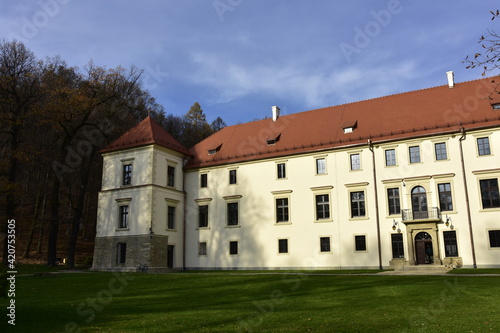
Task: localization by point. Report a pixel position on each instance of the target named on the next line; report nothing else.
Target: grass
(134, 302)
(475, 271)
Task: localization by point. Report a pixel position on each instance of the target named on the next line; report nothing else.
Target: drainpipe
(467, 204)
(370, 146)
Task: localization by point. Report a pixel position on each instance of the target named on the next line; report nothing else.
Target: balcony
(433, 213)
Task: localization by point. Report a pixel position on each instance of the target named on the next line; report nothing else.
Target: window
(282, 245)
(357, 204)
(397, 246)
(360, 242)
(489, 193)
(232, 213)
(390, 157)
(440, 149)
(394, 203)
(281, 170)
(203, 216)
(322, 206)
(204, 180)
(496, 106)
(232, 176)
(324, 244)
(121, 253)
(415, 154)
(127, 174)
(483, 146)
(355, 162)
(445, 200)
(170, 175)
(170, 217)
(494, 238)
(202, 248)
(233, 248)
(320, 166)
(282, 210)
(450, 243)
(123, 221)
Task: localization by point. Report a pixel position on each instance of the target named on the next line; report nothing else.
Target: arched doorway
(419, 203)
(423, 249)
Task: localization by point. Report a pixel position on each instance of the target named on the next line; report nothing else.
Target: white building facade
(403, 180)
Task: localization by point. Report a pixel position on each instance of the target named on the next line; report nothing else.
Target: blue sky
(237, 58)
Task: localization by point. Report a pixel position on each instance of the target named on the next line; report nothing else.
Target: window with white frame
(282, 210)
(440, 151)
(322, 206)
(414, 152)
(394, 201)
(360, 243)
(320, 166)
(445, 198)
(355, 161)
(390, 157)
(483, 146)
(202, 248)
(282, 245)
(324, 244)
(281, 170)
(357, 204)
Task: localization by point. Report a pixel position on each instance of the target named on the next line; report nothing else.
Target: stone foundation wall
(142, 249)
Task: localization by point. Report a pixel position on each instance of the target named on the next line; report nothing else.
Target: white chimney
(276, 113)
(451, 81)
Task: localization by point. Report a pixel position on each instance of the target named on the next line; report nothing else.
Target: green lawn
(106, 302)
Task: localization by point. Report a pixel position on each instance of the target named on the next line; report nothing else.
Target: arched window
(419, 203)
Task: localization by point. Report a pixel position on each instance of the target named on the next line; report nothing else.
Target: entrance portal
(423, 249)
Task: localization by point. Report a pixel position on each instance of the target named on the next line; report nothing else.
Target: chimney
(451, 81)
(276, 113)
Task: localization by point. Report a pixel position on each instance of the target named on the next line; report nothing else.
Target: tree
(489, 58)
(19, 93)
(196, 126)
(217, 124)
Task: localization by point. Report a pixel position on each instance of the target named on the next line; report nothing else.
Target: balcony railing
(433, 213)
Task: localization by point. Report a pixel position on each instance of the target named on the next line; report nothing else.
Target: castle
(402, 180)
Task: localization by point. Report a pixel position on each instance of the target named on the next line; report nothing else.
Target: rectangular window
(445, 200)
(123, 222)
(415, 154)
(450, 243)
(483, 146)
(127, 174)
(440, 149)
(232, 213)
(324, 244)
(282, 245)
(281, 170)
(320, 166)
(170, 217)
(355, 162)
(360, 242)
(121, 253)
(390, 157)
(397, 246)
(233, 248)
(282, 210)
(322, 206)
(494, 238)
(203, 216)
(204, 180)
(489, 193)
(394, 203)
(232, 176)
(358, 204)
(202, 248)
(170, 176)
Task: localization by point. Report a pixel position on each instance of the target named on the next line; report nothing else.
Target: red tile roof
(146, 132)
(418, 113)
